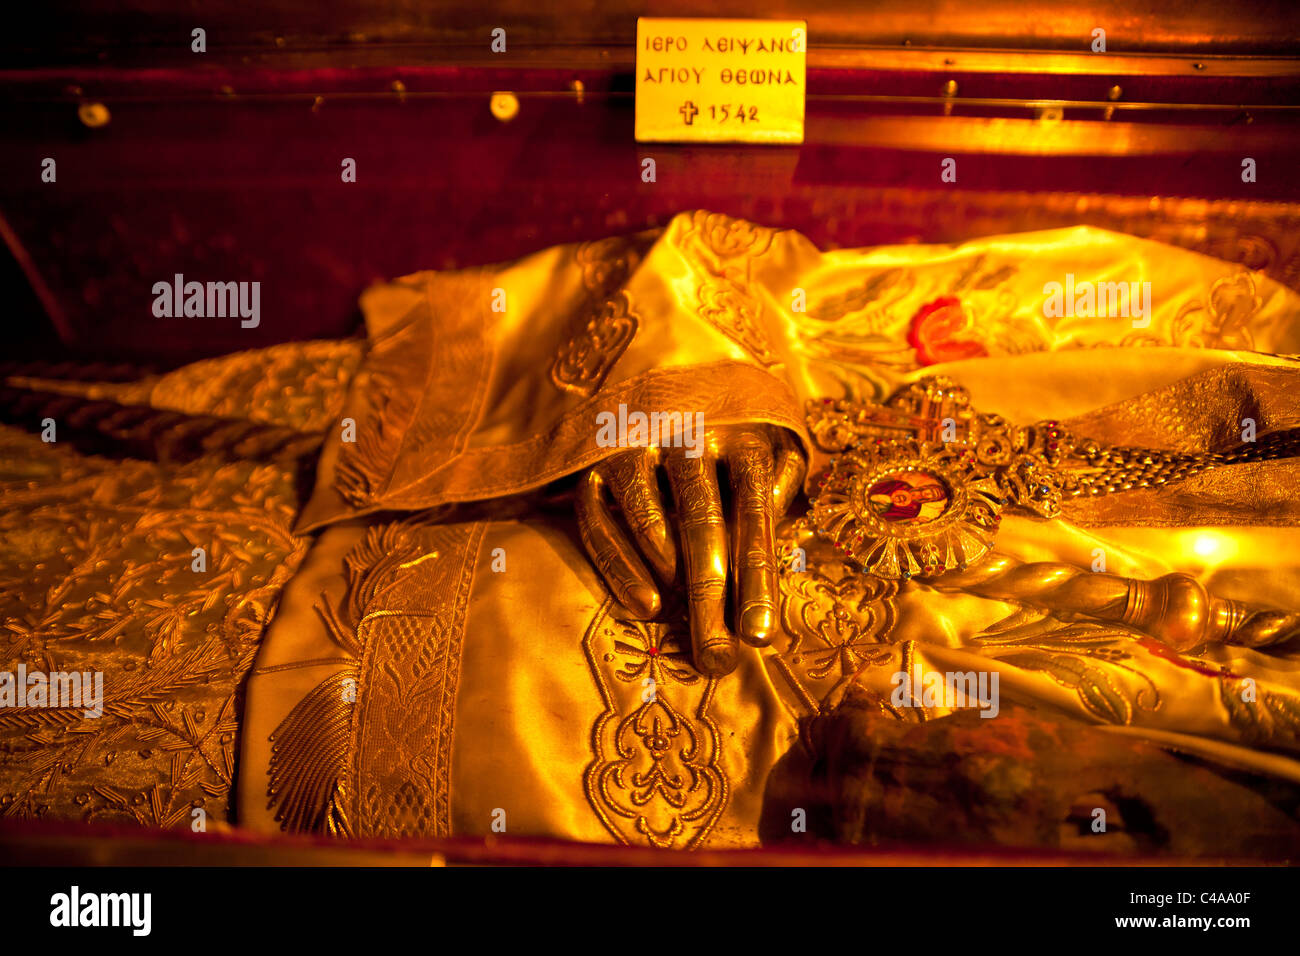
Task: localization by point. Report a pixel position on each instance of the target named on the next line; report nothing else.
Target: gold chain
(1123, 469)
(917, 486)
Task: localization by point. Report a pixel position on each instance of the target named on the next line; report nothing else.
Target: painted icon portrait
(914, 497)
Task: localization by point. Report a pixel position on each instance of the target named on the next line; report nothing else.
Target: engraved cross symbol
(688, 112)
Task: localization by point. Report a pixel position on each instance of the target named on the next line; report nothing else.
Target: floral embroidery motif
(835, 627)
(835, 620)
(1082, 657)
(723, 249)
(870, 322)
(1223, 322)
(99, 574)
(728, 238)
(1262, 717)
(726, 304)
(874, 297)
(606, 324)
(936, 333)
(655, 777)
(586, 358)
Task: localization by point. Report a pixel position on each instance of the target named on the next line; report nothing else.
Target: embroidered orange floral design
(936, 330)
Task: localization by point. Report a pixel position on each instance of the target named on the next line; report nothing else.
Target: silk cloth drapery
(427, 677)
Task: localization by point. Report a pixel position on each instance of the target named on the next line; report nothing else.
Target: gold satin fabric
(544, 730)
(486, 382)
(548, 685)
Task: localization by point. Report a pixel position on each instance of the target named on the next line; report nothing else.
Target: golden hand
(765, 469)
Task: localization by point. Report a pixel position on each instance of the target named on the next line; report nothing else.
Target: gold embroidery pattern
(606, 324)
(409, 677)
(1094, 687)
(418, 391)
(722, 250)
(607, 263)
(307, 784)
(1081, 657)
(1222, 322)
(873, 296)
(389, 383)
(97, 575)
(587, 357)
(1271, 719)
(835, 621)
(298, 385)
(656, 776)
(1202, 412)
(381, 766)
(309, 776)
(725, 392)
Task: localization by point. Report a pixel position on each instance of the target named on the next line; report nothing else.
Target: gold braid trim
(311, 749)
(420, 387)
(349, 769)
(309, 759)
(106, 427)
(365, 466)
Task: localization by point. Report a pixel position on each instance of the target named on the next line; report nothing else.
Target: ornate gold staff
(1175, 608)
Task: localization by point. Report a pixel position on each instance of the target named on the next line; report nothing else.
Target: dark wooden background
(225, 166)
